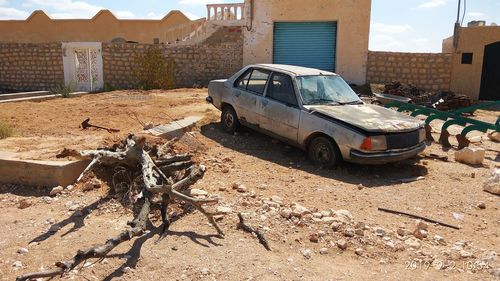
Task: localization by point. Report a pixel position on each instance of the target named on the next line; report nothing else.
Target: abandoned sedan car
(316, 111)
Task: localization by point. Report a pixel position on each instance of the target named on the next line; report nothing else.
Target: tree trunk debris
(160, 178)
(247, 228)
(418, 217)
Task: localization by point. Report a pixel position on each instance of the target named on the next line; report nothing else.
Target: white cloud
(3, 2)
(389, 28)
(433, 4)
(69, 9)
(191, 16)
(154, 16)
(12, 14)
(124, 15)
(200, 2)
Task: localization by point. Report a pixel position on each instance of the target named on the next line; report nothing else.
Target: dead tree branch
(247, 228)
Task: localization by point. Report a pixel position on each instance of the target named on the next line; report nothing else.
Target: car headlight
(421, 135)
(374, 143)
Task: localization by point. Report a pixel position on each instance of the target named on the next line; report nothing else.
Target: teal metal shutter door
(309, 44)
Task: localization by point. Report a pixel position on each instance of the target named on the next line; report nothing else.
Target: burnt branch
(248, 228)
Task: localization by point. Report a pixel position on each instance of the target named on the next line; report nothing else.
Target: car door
(248, 89)
(279, 109)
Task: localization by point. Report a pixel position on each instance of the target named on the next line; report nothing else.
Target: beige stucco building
(472, 72)
(352, 19)
(103, 27)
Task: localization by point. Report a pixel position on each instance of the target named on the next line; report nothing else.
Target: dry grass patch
(5, 130)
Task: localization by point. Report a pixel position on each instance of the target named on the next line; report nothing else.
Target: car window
(281, 89)
(242, 82)
(258, 81)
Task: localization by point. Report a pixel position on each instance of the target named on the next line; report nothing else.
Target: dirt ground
(450, 192)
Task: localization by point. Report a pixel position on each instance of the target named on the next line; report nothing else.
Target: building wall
(39, 66)
(218, 57)
(25, 67)
(103, 27)
(353, 22)
(466, 78)
(425, 70)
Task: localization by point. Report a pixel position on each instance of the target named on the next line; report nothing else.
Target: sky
(396, 25)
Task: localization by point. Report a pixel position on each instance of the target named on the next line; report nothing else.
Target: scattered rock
(359, 232)
(23, 204)
(222, 188)
(378, 231)
(344, 215)
(420, 234)
(349, 232)
(126, 269)
(56, 190)
(74, 207)
(359, 251)
(326, 213)
(91, 184)
(390, 245)
(205, 271)
(492, 185)
(495, 272)
(495, 136)
(317, 215)
(306, 253)
(465, 254)
(422, 225)
(342, 244)
(403, 232)
(241, 188)
(439, 239)
(277, 199)
(299, 211)
(22, 251)
(314, 237)
(472, 156)
(70, 187)
(323, 251)
(336, 226)
(328, 220)
(413, 243)
(481, 206)
(286, 213)
(224, 210)
(17, 265)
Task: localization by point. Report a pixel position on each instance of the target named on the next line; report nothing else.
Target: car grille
(402, 140)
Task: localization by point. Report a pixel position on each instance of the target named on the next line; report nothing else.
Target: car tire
(323, 151)
(229, 120)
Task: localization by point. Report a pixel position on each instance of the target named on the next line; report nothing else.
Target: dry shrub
(5, 130)
(154, 71)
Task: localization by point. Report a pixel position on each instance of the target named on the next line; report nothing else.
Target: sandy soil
(267, 168)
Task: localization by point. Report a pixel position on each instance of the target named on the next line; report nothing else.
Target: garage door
(309, 44)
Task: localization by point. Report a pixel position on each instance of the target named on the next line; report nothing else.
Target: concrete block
(176, 128)
(472, 156)
(492, 185)
(39, 173)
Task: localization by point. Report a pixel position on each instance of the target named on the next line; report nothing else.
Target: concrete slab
(9, 96)
(38, 98)
(39, 173)
(175, 128)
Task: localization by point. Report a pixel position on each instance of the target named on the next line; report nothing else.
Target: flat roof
(297, 70)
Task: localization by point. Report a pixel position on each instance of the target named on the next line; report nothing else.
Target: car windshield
(326, 89)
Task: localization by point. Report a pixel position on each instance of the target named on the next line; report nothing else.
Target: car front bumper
(385, 156)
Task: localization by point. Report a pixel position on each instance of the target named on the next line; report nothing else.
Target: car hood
(371, 118)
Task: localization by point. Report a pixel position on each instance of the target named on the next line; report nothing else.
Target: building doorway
(490, 79)
(83, 67)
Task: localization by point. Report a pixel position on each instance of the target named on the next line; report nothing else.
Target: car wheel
(323, 151)
(229, 120)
